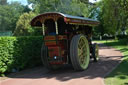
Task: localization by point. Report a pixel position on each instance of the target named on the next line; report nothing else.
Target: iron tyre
(79, 52)
(95, 52)
(44, 56)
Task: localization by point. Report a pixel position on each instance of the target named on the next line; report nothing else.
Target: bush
(17, 53)
(122, 36)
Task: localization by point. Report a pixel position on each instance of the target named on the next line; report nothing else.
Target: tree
(4, 17)
(64, 6)
(26, 9)
(112, 14)
(9, 15)
(23, 27)
(96, 12)
(3, 2)
(123, 11)
(115, 16)
(109, 17)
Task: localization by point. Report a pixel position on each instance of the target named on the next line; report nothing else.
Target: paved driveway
(94, 75)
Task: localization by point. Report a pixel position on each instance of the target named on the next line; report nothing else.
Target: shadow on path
(108, 60)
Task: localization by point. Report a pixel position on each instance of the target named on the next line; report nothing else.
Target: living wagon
(67, 40)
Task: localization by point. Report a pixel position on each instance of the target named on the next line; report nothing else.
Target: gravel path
(94, 75)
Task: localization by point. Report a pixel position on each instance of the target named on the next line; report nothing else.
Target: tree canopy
(9, 14)
(64, 6)
(23, 24)
(112, 14)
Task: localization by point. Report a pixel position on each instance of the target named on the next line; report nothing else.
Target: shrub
(23, 27)
(122, 36)
(17, 53)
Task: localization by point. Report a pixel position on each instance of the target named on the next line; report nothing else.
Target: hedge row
(17, 53)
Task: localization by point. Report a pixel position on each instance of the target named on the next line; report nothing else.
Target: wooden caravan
(67, 40)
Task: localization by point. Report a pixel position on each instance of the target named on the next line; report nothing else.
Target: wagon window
(61, 26)
(50, 27)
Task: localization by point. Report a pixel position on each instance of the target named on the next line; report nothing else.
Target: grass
(119, 76)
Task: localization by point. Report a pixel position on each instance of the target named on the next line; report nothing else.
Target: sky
(93, 1)
(24, 2)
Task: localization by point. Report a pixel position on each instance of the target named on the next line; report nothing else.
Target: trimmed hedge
(17, 53)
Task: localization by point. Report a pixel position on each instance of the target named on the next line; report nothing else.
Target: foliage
(100, 11)
(64, 6)
(3, 2)
(9, 15)
(96, 13)
(17, 53)
(113, 17)
(110, 20)
(23, 25)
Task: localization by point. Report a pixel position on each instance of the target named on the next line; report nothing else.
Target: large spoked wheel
(44, 56)
(95, 52)
(79, 52)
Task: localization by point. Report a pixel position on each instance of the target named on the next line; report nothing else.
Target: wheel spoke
(82, 51)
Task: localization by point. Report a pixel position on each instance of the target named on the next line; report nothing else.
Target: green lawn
(119, 76)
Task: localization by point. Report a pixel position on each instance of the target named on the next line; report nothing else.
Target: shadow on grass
(125, 83)
(122, 42)
(124, 49)
(120, 74)
(121, 71)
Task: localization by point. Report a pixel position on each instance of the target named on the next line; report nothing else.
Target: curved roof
(69, 19)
